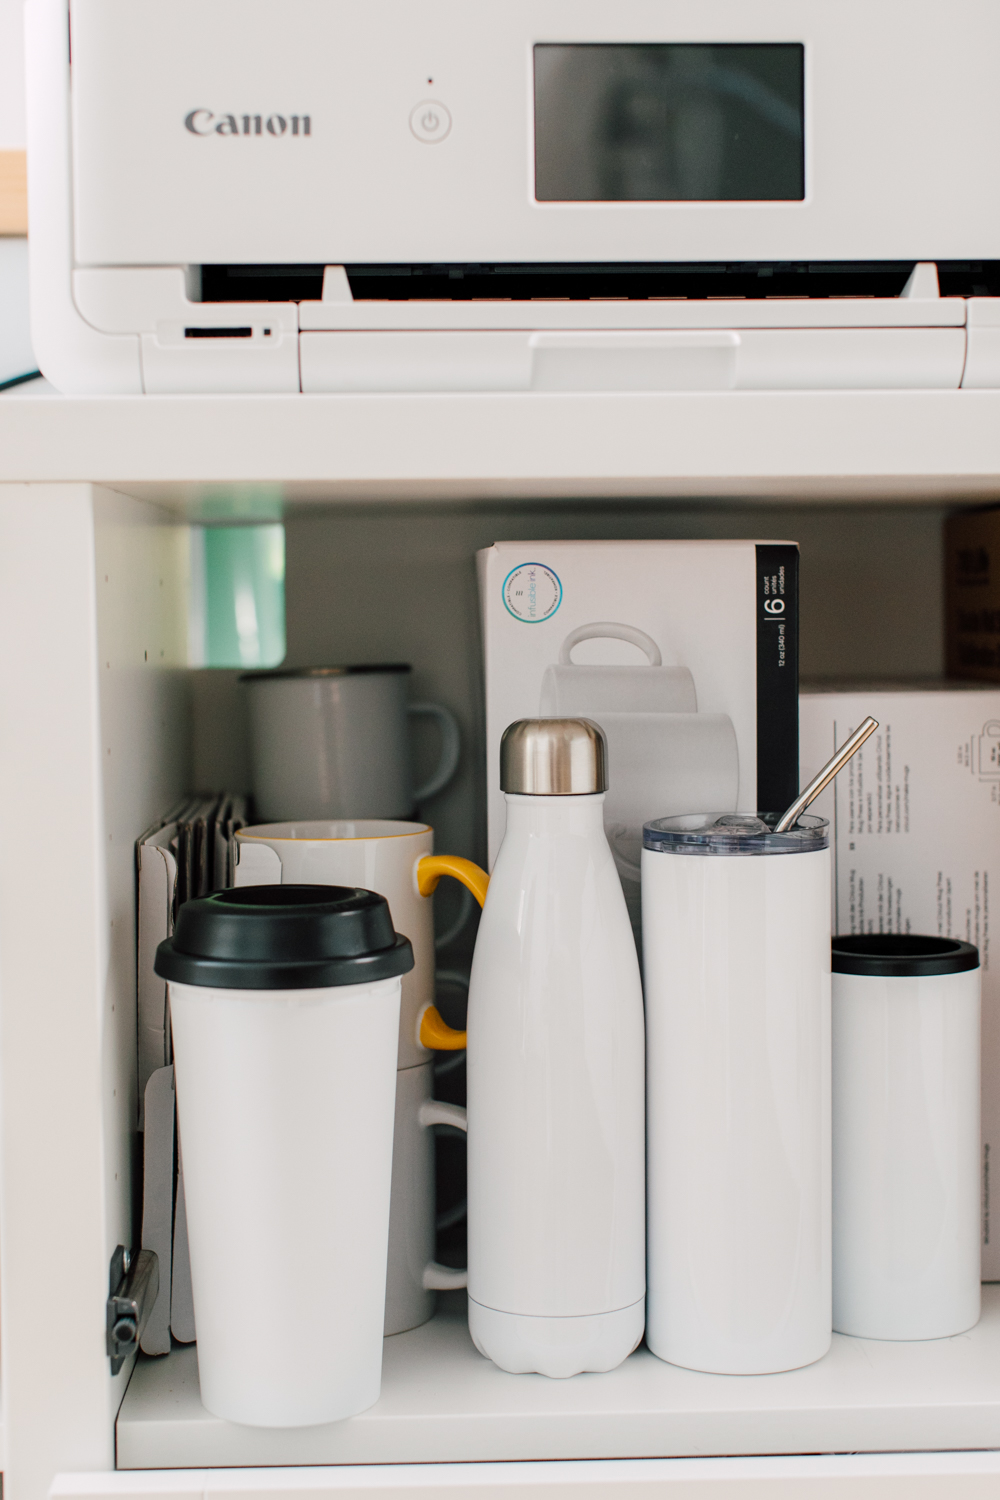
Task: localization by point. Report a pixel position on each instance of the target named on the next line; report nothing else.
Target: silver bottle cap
(554, 758)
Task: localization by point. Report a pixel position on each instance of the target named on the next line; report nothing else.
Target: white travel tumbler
(736, 946)
(906, 1136)
(285, 1009)
(555, 1074)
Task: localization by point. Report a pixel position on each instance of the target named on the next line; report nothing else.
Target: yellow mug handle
(435, 1033)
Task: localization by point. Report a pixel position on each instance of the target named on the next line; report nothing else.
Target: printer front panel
(322, 131)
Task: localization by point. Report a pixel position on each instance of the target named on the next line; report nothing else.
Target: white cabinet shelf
(443, 1402)
(178, 450)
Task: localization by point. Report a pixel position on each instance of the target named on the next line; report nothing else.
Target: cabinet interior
(398, 583)
(99, 590)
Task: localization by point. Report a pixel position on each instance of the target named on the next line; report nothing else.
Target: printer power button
(430, 122)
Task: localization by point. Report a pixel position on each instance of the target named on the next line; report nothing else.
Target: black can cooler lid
(284, 937)
(902, 955)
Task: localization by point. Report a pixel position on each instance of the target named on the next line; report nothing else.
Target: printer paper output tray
(917, 340)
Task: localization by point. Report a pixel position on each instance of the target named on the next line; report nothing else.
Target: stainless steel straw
(829, 771)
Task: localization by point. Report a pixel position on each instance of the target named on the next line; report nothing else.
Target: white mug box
(685, 653)
(915, 839)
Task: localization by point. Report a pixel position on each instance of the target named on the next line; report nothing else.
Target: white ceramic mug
(334, 742)
(395, 859)
(660, 765)
(663, 756)
(663, 764)
(412, 1273)
(570, 688)
(376, 854)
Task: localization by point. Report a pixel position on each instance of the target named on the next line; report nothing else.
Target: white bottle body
(556, 1100)
(737, 965)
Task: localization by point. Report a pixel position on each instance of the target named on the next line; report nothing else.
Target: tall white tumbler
(736, 947)
(285, 1009)
(906, 1136)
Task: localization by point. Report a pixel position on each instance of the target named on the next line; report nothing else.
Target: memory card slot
(221, 333)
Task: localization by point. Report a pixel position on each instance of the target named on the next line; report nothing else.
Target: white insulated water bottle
(555, 1074)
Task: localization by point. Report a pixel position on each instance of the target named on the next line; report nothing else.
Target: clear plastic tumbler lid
(734, 833)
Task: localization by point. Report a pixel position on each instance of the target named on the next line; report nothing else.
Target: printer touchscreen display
(663, 122)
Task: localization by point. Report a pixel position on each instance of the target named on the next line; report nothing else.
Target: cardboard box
(972, 595)
(915, 840)
(686, 654)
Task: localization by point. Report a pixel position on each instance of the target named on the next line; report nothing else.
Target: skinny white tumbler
(906, 1136)
(736, 945)
(285, 1009)
(555, 1074)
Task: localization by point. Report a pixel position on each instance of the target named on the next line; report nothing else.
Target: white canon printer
(330, 195)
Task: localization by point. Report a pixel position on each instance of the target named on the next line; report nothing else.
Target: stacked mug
(397, 860)
(330, 750)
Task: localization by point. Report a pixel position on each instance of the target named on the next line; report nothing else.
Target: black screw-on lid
(902, 955)
(284, 937)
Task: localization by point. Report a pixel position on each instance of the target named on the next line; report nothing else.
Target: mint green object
(238, 596)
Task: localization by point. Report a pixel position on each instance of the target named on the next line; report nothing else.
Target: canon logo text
(204, 122)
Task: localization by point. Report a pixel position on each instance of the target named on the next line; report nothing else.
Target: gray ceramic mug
(334, 742)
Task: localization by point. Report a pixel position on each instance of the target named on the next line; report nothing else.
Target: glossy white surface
(556, 1347)
(442, 1402)
(376, 854)
(555, 1084)
(736, 954)
(906, 1155)
(285, 1106)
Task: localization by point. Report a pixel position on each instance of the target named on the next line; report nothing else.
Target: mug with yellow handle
(397, 860)
(378, 854)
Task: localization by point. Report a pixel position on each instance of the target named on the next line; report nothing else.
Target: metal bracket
(134, 1285)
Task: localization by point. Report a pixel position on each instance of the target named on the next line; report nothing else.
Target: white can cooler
(906, 1136)
(285, 1011)
(736, 947)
